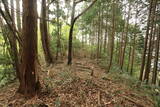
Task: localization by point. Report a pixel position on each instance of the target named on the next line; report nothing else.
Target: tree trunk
(112, 38)
(71, 35)
(154, 76)
(99, 28)
(29, 83)
(126, 38)
(105, 36)
(150, 49)
(45, 36)
(146, 42)
(58, 32)
(129, 57)
(18, 14)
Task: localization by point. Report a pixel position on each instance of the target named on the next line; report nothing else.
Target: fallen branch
(133, 101)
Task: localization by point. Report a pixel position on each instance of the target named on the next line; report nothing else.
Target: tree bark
(29, 83)
(18, 15)
(58, 32)
(73, 20)
(154, 76)
(126, 38)
(146, 42)
(45, 36)
(150, 49)
(112, 38)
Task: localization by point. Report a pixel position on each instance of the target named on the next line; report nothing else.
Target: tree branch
(85, 10)
(10, 27)
(79, 1)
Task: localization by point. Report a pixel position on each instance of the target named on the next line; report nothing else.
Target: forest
(79, 53)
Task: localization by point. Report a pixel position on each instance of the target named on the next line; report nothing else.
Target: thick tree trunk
(45, 36)
(29, 83)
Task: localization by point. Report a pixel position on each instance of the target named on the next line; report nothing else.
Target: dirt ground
(84, 84)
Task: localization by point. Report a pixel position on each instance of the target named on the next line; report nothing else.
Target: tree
(154, 75)
(146, 41)
(150, 45)
(125, 38)
(12, 38)
(73, 20)
(112, 36)
(44, 35)
(29, 82)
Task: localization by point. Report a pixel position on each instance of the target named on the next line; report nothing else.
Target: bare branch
(79, 1)
(10, 26)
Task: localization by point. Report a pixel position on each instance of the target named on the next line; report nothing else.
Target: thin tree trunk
(134, 44)
(112, 38)
(129, 58)
(18, 14)
(146, 42)
(150, 49)
(154, 76)
(99, 28)
(71, 34)
(73, 20)
(126, 38)
(58, 32)
(45, 36)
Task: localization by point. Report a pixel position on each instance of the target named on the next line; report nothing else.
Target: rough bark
(29, 83)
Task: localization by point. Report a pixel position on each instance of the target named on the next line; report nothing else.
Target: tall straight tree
(111, 48)
(146, 42)
(58, 30)
(154, 75)
(29, 83)
(44, 35)
(125, 38)
(150, 45)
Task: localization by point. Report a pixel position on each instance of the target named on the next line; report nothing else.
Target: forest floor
(84, 84)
